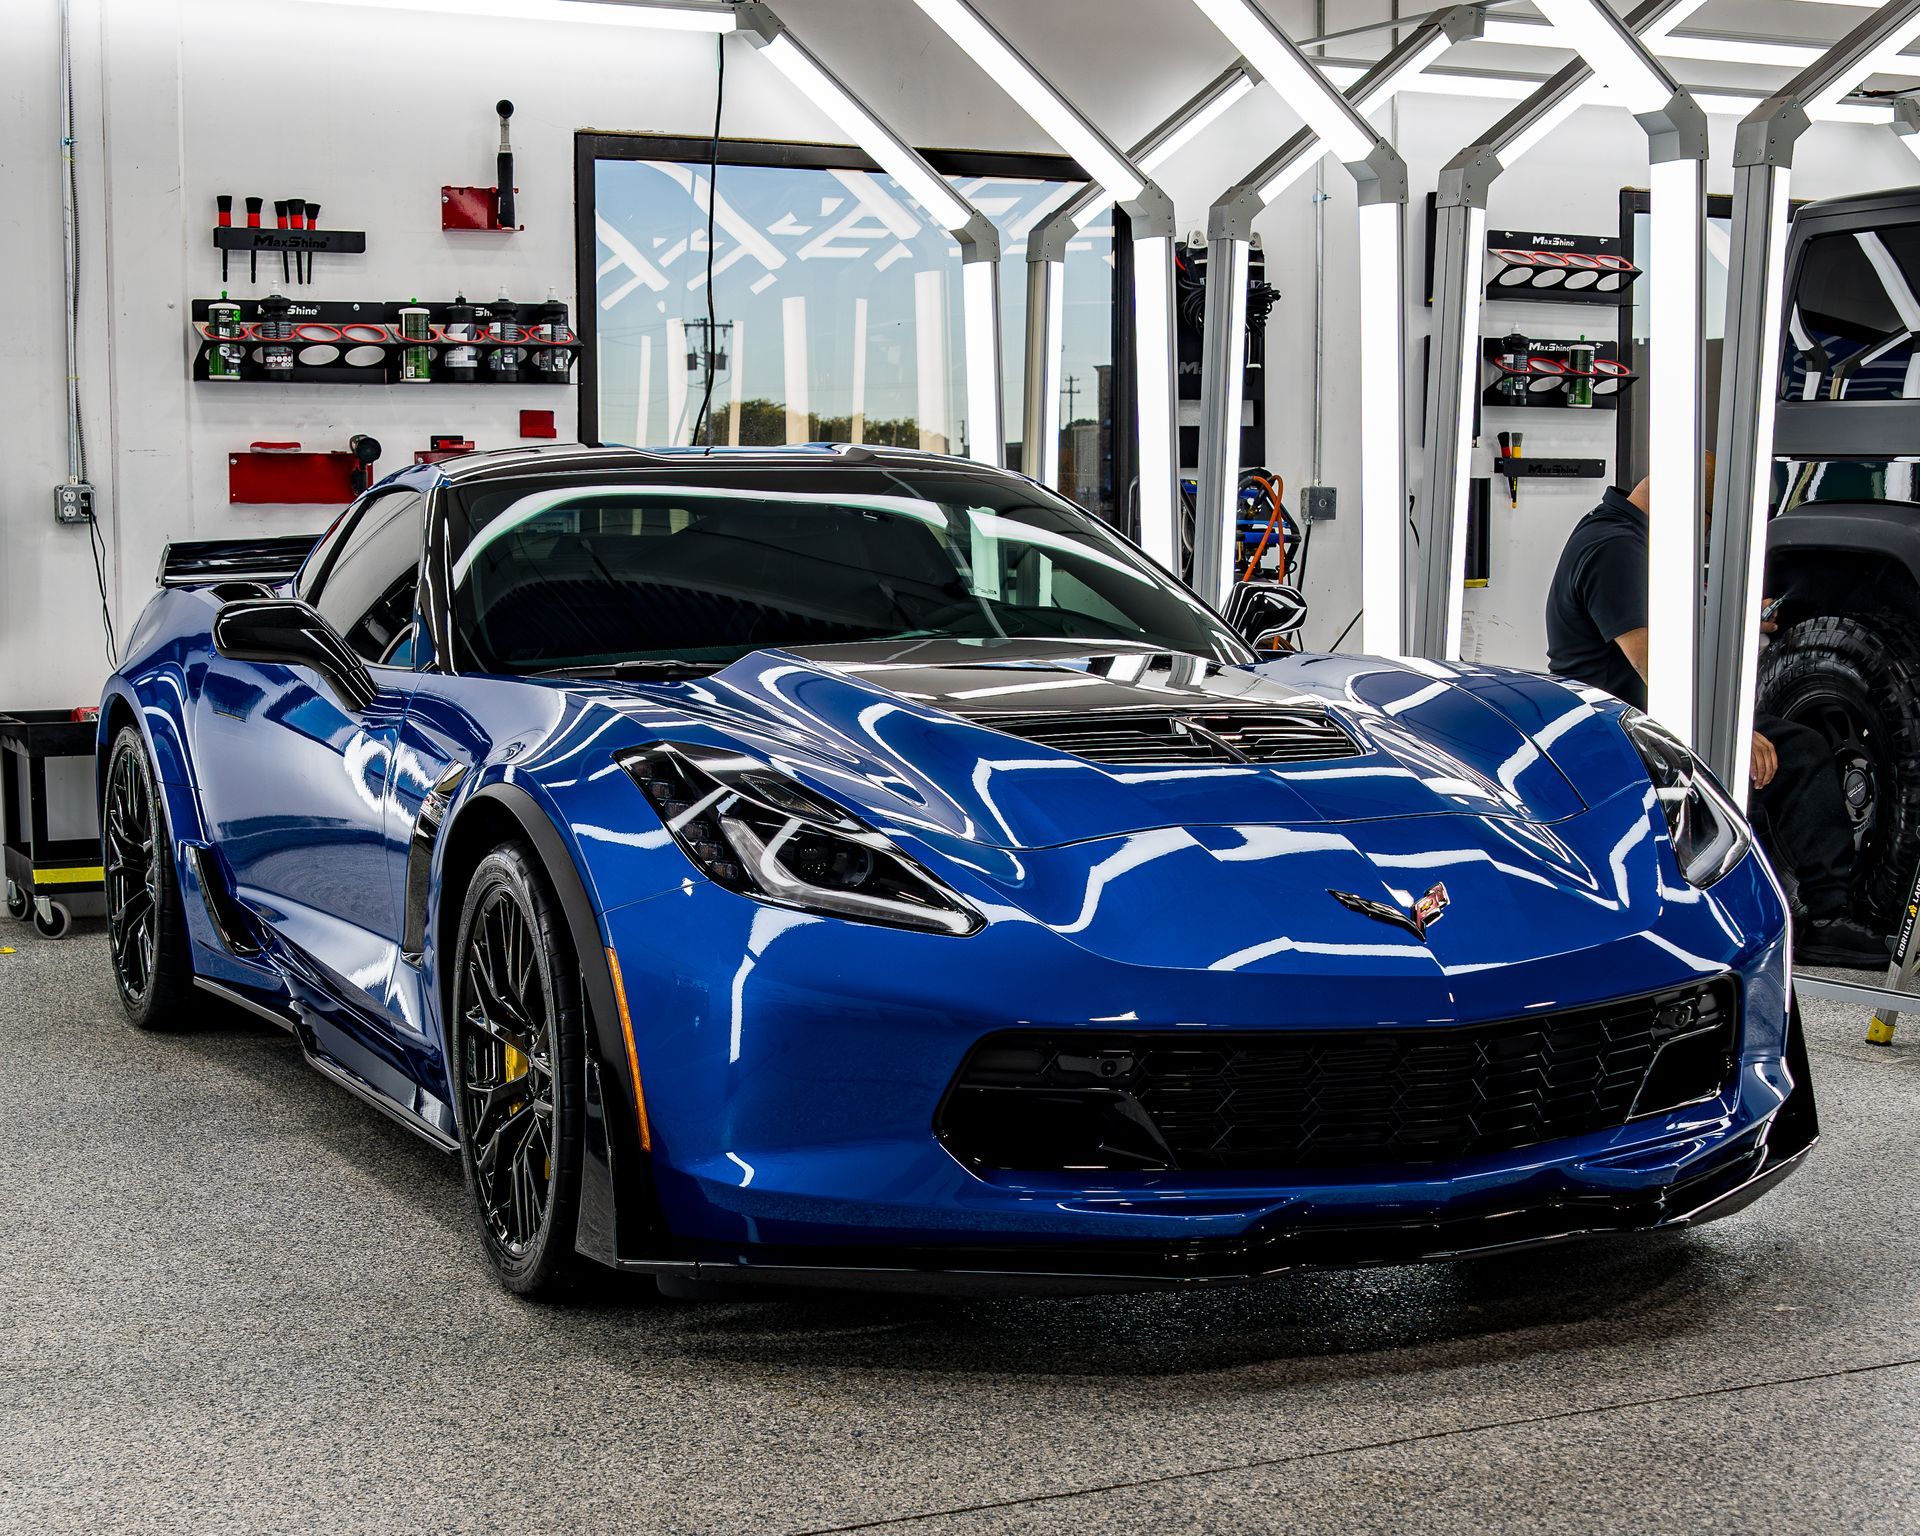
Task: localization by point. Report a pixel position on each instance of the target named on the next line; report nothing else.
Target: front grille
(1040, 1100)
(1271, 735)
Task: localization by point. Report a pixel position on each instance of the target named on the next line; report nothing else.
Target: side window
(1854, 329)
(368, 595)
(323, 551)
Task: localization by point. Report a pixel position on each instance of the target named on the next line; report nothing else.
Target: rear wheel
(1857, 682)
(146, 929)
(517, 1046)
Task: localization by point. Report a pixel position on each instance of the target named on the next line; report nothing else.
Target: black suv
(1843, 550)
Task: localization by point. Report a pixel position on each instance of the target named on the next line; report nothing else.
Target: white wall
(368, 111)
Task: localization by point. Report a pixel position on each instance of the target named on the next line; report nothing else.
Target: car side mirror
(1264, 611)
(288, 633)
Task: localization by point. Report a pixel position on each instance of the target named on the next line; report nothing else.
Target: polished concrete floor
(236, 1300)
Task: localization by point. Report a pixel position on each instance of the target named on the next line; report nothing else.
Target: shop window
(837, 313)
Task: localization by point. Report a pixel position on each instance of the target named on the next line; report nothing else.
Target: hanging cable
(713, 196)
(76, 429)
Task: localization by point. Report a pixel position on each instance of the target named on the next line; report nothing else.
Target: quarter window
(368, 594)
(1854, 330)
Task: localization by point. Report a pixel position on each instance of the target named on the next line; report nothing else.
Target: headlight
(1708, 832)
(757, 832)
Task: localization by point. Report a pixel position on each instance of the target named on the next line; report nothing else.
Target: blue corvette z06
(856, 866)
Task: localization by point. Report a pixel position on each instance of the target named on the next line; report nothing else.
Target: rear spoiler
(205, 562)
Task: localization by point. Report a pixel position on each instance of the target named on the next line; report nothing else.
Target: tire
(18, 903)
(517, 1054)
(54, 922)
(147, 946)
(1857, 682)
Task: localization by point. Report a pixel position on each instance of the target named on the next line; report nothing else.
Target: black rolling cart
(42, 870)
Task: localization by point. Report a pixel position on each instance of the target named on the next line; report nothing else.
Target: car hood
(940, 737)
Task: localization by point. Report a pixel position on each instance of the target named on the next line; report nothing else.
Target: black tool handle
(503, 166)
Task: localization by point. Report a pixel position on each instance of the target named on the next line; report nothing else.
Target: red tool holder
(281, 474)
(474, 208)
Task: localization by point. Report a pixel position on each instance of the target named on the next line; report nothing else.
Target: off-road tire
(1856, 680)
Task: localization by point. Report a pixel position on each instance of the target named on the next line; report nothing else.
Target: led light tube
(1673, 443)
(899, 161)
(980, 326)
(1383, 495)
(1154, 397)
(1288, 71)
(1599, 38)
(1035, 96)
(1402, 78)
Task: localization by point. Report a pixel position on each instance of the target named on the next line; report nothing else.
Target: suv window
(368, 595)
(1854, 330)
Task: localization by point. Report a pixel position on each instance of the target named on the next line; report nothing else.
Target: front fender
(618, 1215)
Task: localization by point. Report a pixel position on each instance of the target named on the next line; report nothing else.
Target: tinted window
(315, 565)
(552, 574)
(368, 595)
(1854, 329)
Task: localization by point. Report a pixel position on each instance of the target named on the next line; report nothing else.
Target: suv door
(295, 780)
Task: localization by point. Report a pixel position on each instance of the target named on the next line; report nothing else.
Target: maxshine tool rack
(347, 342)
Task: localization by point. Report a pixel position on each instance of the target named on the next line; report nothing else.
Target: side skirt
(287, 1017)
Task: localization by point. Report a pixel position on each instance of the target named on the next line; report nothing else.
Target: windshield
(582, 573)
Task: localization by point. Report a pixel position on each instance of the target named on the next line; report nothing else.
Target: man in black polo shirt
(1597, 634)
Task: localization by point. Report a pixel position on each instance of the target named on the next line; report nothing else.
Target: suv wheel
(1857, 682)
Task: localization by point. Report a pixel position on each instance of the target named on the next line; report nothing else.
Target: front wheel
(518, 1046)
(1857, 682)
(146, 928)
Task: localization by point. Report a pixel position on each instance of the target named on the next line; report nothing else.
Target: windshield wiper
(666, 668)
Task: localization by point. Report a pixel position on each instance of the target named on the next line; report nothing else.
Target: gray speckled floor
(237, 1300)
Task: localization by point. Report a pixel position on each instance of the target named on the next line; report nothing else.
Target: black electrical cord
(1345, 632)
(96, 545)
(713, 197)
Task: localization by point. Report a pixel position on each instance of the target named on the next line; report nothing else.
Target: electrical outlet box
(1320, 502)
(73, 503)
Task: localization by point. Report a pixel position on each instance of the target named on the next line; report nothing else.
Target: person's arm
(1633, 644)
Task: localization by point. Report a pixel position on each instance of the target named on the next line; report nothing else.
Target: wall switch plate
(73, 503)
(1320, 503)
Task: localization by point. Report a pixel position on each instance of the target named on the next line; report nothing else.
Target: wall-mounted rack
(1536, 266)
(1534, 373)
(349, 342)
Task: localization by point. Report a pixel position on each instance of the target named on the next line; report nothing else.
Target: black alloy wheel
(1856, 681)
(517, 1054)
(146, 931)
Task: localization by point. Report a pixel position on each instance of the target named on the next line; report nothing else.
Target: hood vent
(1219, 736)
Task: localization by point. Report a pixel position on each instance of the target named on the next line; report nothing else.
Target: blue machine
(860, 866)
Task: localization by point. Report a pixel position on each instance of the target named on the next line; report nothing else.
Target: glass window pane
(1851, 330)
(837, 308)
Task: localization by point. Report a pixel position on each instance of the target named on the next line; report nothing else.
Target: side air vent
(1204, 736)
